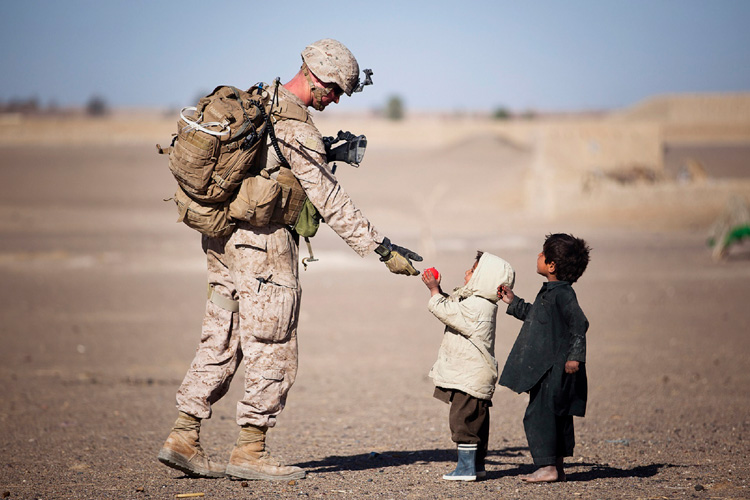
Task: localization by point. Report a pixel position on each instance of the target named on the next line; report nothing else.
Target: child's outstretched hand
(505, 294)
(430, 282)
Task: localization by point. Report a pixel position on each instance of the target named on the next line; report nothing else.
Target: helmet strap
(318, 93)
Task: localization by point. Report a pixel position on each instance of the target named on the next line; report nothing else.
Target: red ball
(434, 272)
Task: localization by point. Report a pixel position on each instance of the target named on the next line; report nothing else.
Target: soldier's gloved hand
(398, 259)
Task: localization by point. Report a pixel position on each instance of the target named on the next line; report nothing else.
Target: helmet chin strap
(317, 93)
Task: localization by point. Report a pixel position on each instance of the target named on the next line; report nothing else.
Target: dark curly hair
(570, 255)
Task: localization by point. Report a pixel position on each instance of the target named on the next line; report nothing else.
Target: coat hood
(491, 272)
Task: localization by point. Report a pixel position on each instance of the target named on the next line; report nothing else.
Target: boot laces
(265, 456)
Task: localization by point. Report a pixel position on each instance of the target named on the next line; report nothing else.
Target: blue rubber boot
(466, 469)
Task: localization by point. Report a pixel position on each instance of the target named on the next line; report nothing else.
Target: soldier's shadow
(373, 460)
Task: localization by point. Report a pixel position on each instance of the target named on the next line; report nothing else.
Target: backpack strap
(246, 123)
(168, 149)
(182, 211)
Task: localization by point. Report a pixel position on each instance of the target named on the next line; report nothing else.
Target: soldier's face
(333, 96)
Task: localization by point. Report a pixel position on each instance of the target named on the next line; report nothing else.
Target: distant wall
(695, 118)
(568, 154)
(615, 165)
(719, 108)
(584, 147)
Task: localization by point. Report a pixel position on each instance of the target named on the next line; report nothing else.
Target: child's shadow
(387, 459)
(596, 471)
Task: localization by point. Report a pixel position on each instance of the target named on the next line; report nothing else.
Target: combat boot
(182, 450)
(466, 468)
(250, 460)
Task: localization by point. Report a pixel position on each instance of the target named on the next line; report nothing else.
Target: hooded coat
(466, 358)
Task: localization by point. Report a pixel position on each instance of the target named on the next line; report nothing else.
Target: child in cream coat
(465, 372)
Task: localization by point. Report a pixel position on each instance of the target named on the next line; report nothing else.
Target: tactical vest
(214, 158)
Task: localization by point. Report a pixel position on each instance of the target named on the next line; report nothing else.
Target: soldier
(254, 290)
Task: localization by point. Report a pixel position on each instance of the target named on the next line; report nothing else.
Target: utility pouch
(292, 198)
(255, 201)
(308, 221)
(211, 219)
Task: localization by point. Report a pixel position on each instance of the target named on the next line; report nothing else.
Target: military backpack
(214, 158)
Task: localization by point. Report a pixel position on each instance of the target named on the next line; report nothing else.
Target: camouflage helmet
(331, 62)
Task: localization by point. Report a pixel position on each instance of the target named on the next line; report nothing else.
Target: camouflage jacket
(301, 143)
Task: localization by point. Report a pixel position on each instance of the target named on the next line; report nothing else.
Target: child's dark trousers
(549, 435)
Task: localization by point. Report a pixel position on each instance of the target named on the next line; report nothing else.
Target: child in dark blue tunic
(548, 357)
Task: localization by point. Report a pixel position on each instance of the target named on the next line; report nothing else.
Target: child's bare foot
(549, 474)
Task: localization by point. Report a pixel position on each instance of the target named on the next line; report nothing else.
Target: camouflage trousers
(257, 267)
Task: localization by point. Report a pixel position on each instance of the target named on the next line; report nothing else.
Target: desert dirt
(103, 296)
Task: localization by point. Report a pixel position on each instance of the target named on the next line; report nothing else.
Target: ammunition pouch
(292, 198)
(256, 200)
(294, 208)
(261, 200)
(211, 219)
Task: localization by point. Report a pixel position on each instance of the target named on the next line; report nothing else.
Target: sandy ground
(103, 296)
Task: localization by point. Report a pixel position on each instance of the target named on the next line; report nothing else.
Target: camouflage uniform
(259, 268)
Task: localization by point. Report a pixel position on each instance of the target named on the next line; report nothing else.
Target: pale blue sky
(450, 55)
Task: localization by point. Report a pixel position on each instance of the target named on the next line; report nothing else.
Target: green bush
(501, 114)
(394, 109)
(96, 106)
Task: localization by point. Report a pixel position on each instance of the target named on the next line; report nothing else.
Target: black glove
(398, 259)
